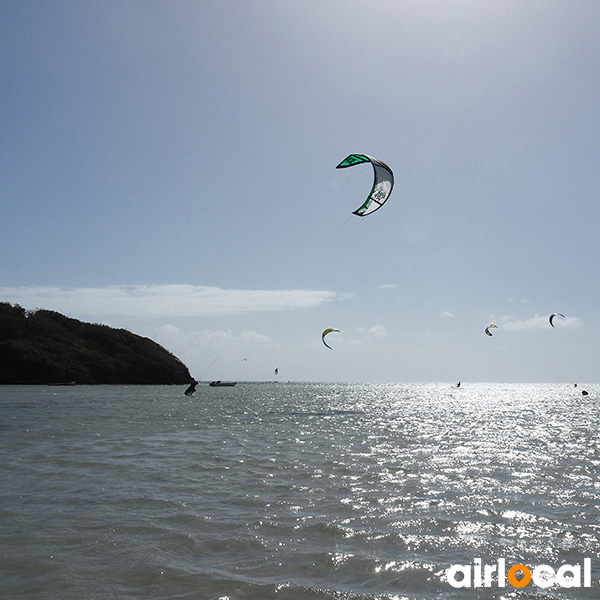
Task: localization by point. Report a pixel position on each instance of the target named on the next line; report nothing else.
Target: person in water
(192, 388)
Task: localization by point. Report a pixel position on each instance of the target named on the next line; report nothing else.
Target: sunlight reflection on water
(310, 490)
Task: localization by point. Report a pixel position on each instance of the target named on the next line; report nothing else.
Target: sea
(300, 491)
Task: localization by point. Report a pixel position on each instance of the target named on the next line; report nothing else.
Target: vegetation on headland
(43, 346)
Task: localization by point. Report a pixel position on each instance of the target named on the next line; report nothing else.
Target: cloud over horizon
(538, 322)
(160, 301)
(447, 315)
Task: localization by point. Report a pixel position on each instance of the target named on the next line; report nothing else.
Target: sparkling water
(294, 491)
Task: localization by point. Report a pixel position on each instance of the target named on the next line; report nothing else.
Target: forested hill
(44, 347)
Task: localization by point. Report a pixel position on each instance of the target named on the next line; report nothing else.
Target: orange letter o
(514, 581)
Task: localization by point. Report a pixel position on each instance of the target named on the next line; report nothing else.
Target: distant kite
(487, 329)
(383, 182)
(551, 318)
(326, 332)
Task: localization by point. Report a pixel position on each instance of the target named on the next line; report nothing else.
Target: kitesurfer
(192, 388)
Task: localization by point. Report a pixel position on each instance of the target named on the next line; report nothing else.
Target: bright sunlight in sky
(169, 168)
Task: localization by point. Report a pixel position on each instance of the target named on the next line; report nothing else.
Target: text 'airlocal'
(480, 575)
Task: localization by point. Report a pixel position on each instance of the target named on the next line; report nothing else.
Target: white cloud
(388, 286)
(201, 349)
(170, 335)
(161, 301)
(538, 322)
(447, 315)
(378, 331)
(255, 338)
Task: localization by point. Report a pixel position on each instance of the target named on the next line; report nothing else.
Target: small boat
(63, 383)
(222, 383)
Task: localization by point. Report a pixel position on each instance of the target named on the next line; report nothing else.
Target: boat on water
(222, 383)
(62, 383)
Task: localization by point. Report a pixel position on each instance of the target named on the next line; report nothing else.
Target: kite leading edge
(383, 182)
(326, 332)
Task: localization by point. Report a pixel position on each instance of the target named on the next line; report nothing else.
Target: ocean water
(295, 491)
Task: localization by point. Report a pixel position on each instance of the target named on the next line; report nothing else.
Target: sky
(169, 168)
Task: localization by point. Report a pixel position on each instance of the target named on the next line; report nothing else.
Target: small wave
(325, 413)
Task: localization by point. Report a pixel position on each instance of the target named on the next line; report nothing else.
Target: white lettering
(466, 576)
(587, 572)
(501, 572)
(477, 580)
(543, 576)
(568, 582)
(487, 577)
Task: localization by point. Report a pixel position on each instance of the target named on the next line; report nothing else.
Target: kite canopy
(326, 332)
(382, 184)
(554, 315)
(487, 329)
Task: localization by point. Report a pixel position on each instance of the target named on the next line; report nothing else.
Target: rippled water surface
(294, 491)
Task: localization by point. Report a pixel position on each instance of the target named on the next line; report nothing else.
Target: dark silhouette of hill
(44, 346)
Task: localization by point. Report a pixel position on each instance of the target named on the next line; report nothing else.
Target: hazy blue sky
(169, 167)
